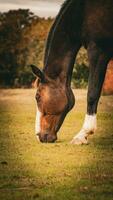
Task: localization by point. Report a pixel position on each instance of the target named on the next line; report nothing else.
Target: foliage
(81, 70)
(22, 39)
(11, 25)
(80, 76)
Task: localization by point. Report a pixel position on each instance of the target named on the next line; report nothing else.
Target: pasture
(30, 170)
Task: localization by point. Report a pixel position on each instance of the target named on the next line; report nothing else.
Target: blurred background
(24, 26)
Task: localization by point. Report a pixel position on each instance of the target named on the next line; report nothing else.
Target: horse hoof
(79, 141)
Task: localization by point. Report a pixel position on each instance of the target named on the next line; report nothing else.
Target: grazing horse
(87, 23)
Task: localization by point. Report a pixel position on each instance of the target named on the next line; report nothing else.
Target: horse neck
(64, 42)
(60, 65)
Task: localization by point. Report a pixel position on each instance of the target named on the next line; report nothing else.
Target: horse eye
(37, 97)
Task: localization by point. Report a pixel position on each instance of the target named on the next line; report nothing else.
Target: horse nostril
(40, 137)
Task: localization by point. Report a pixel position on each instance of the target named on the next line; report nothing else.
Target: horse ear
(38, 73)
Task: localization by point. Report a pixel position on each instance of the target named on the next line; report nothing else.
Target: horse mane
(62, 11)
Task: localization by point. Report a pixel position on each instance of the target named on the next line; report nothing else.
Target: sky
(42, 8)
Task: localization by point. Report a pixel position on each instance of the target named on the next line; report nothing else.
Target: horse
(87, 23)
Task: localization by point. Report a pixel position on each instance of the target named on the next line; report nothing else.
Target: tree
(22, 39)
(12, 25)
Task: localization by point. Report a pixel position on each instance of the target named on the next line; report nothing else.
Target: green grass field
(30, 170)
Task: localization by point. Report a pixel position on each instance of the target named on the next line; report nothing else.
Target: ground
(30, 170)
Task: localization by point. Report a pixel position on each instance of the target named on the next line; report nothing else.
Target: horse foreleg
(98, 60)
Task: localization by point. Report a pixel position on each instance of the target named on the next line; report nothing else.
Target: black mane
(52, 30)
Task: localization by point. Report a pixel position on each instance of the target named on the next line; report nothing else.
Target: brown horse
(87, 23)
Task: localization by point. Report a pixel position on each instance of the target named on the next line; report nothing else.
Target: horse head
(54, 100)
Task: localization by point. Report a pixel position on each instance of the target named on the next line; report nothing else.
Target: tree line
(22, 41)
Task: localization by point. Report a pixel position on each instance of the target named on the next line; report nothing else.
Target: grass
(33, 171)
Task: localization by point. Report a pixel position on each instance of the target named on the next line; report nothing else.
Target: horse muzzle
(47, 138)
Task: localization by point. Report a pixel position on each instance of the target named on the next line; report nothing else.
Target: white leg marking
(89, 127)
(37, 122)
